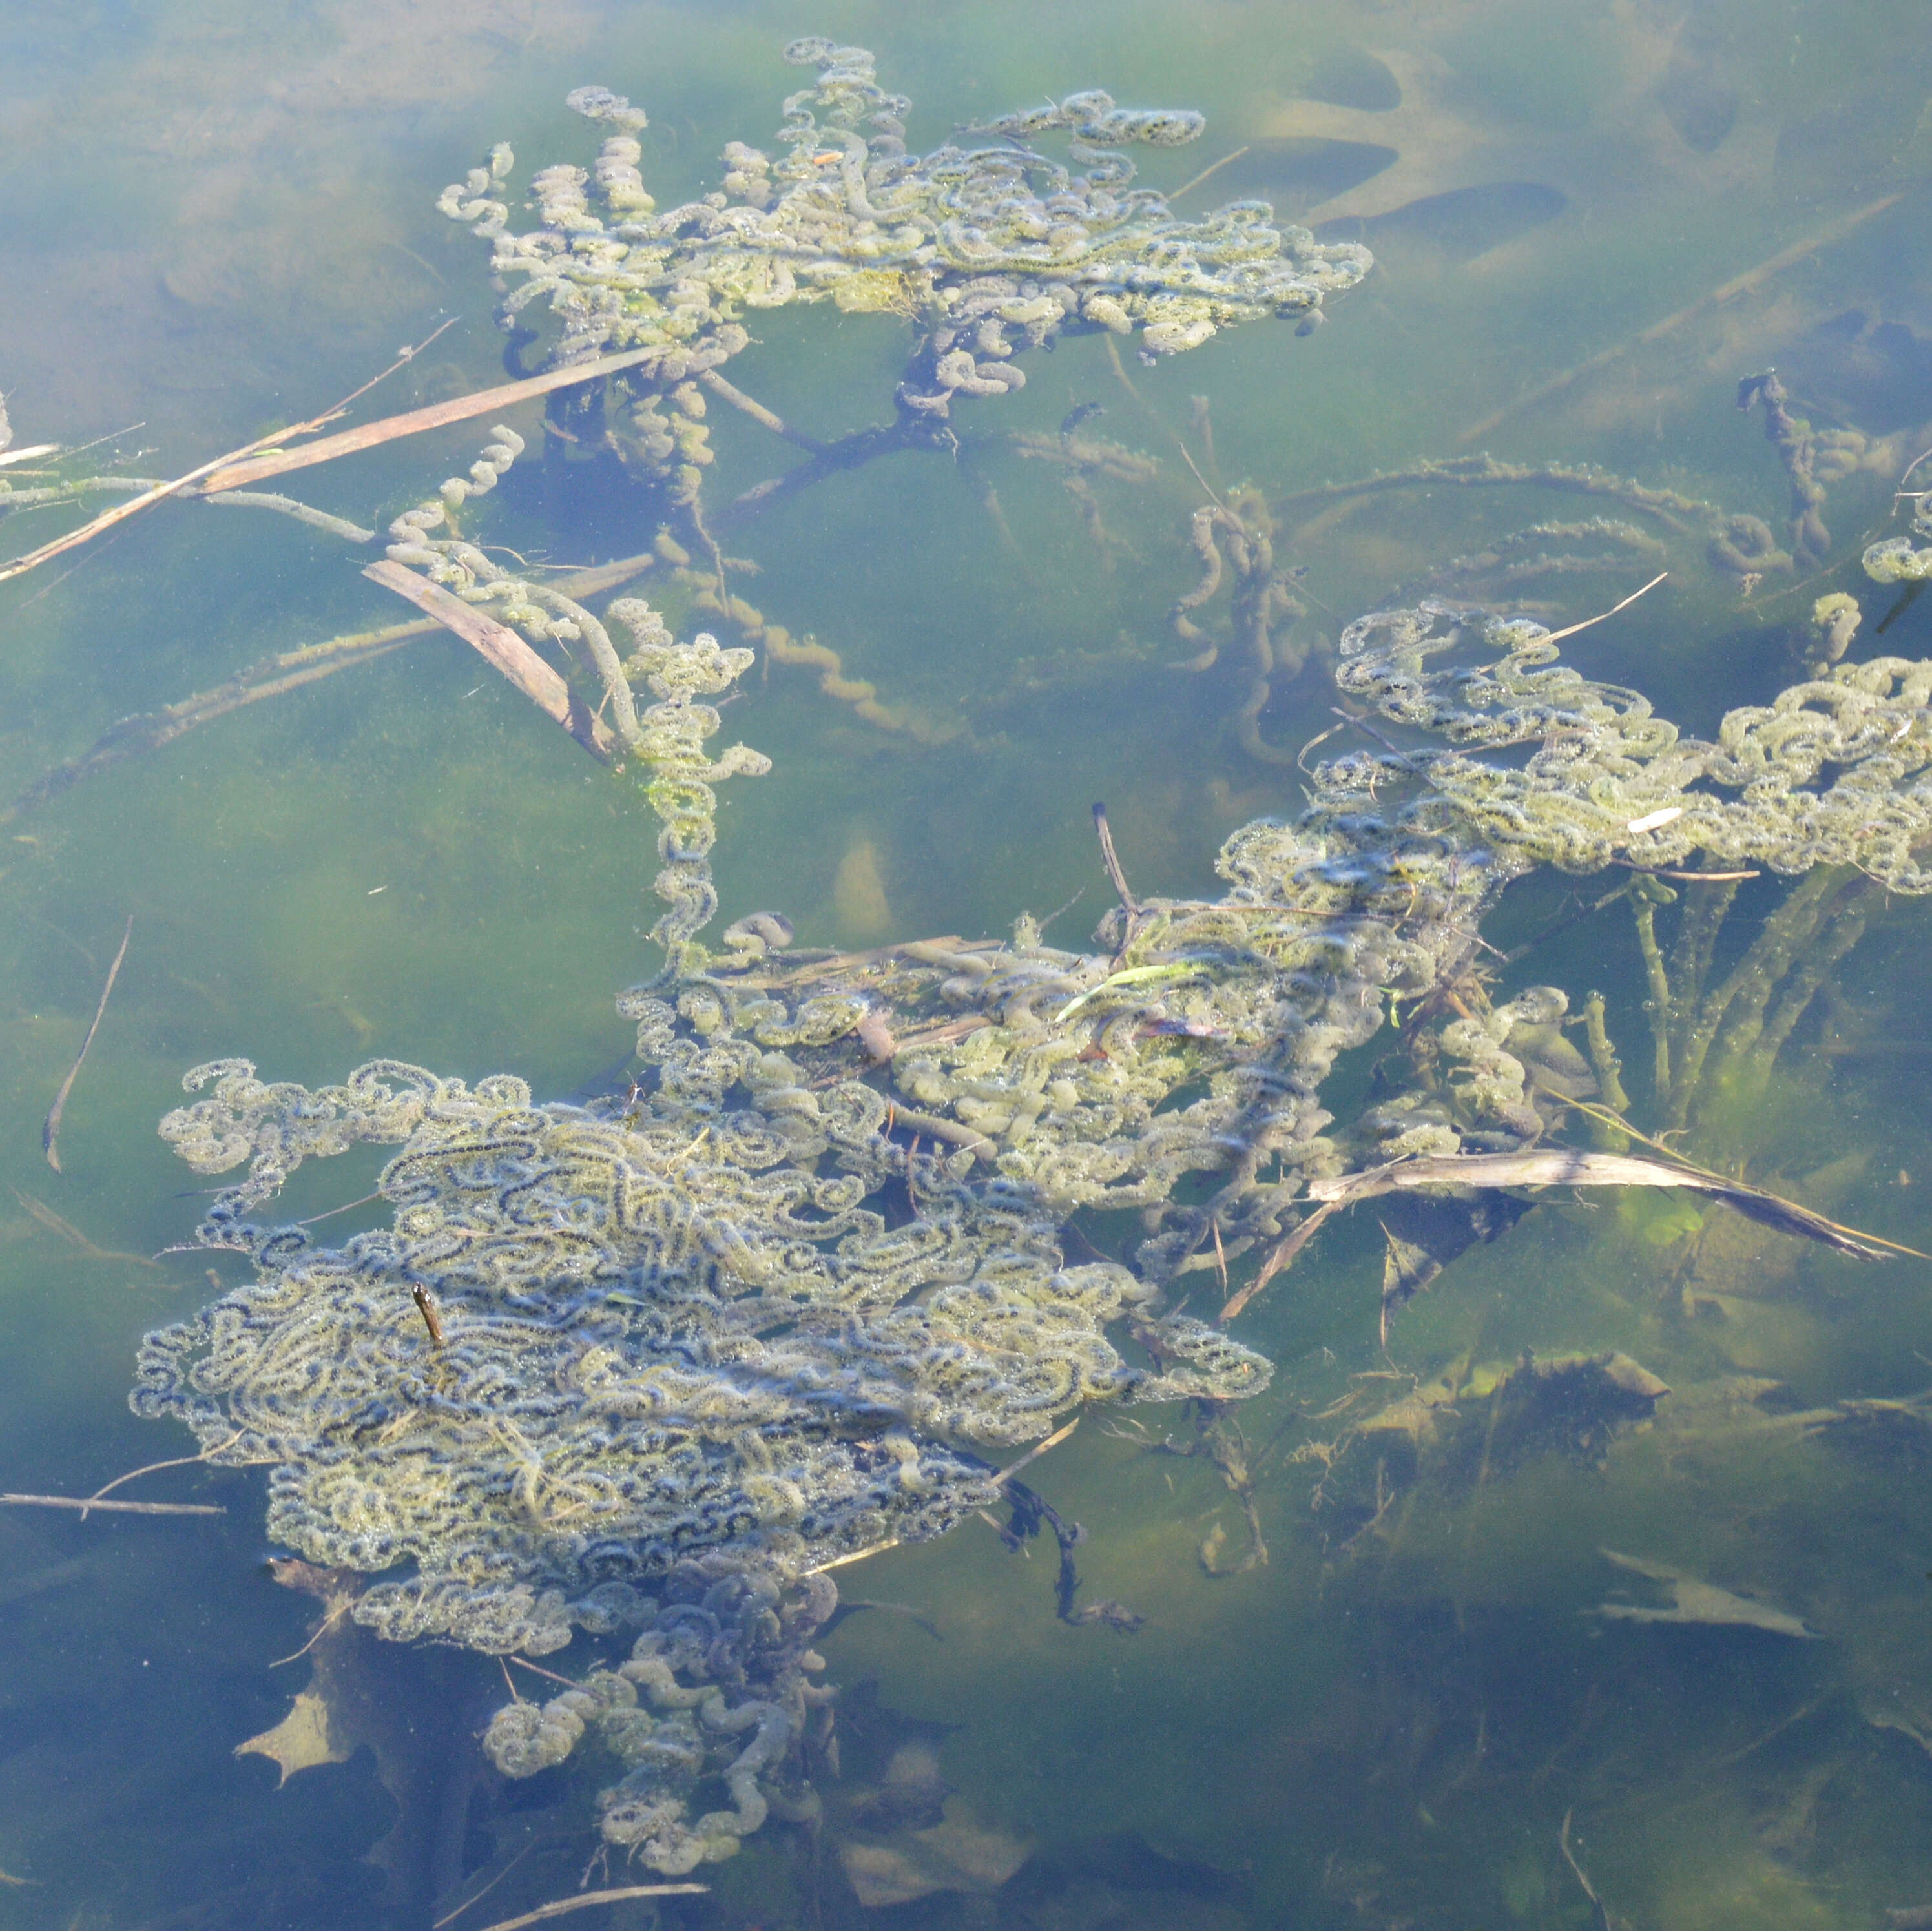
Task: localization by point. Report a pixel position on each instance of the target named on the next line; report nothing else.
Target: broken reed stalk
(149, 730)
(1739, 285)
(558, 1908)
(230, 473)
(1573, 1167)
(86, 1504)
(505, 652)
(246, 472)
(1540, 1167)
(50, 1130)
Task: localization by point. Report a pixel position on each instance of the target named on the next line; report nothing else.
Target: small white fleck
(471, 694)
(1650, 820)
(374, 890)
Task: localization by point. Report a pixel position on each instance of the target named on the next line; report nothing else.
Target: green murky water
(1589, 222)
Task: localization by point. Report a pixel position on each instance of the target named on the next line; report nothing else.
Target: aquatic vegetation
(993, 250)
(739, 1313)
(1259, 602)
(1894, 560)
(1610, 782)
(729, 1317)
(647, 1367)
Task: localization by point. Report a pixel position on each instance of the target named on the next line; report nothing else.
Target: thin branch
(857, 1555)
(577, 1903)
(450, 1916)
(1034, 1454)
(87, 1503)
(328, 1622)
(153, 1467)
(50, 1130)
(1558, 635)
(1212, 168)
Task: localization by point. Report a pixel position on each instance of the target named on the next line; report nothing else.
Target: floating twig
(50, 1130)
(1213, 168)
(537, 1669)
(857, 1555)
(1576, 1871)
(450, 1916)
(328, 1622)
(729, 392)
(154, 1468)
(87, 1503)
(1279, 1256)
(1558, 635)
(560, 1906)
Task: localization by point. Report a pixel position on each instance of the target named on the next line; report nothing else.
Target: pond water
(1593, 1586)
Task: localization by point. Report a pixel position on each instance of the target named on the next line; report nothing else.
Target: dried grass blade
(1573, 1167)
(229, 474)
(505, 650)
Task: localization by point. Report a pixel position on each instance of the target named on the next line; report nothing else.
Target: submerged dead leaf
(300, 1741)
(958, 1854)
(1692, 1601)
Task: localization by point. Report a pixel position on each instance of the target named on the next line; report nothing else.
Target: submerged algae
(992, 250)
(735, 1325)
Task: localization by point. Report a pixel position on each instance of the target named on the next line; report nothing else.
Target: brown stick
(229, 474)
(50, 1130)
(426, 1306)
(557, 1907)
(506, 651)
(86, 1504)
